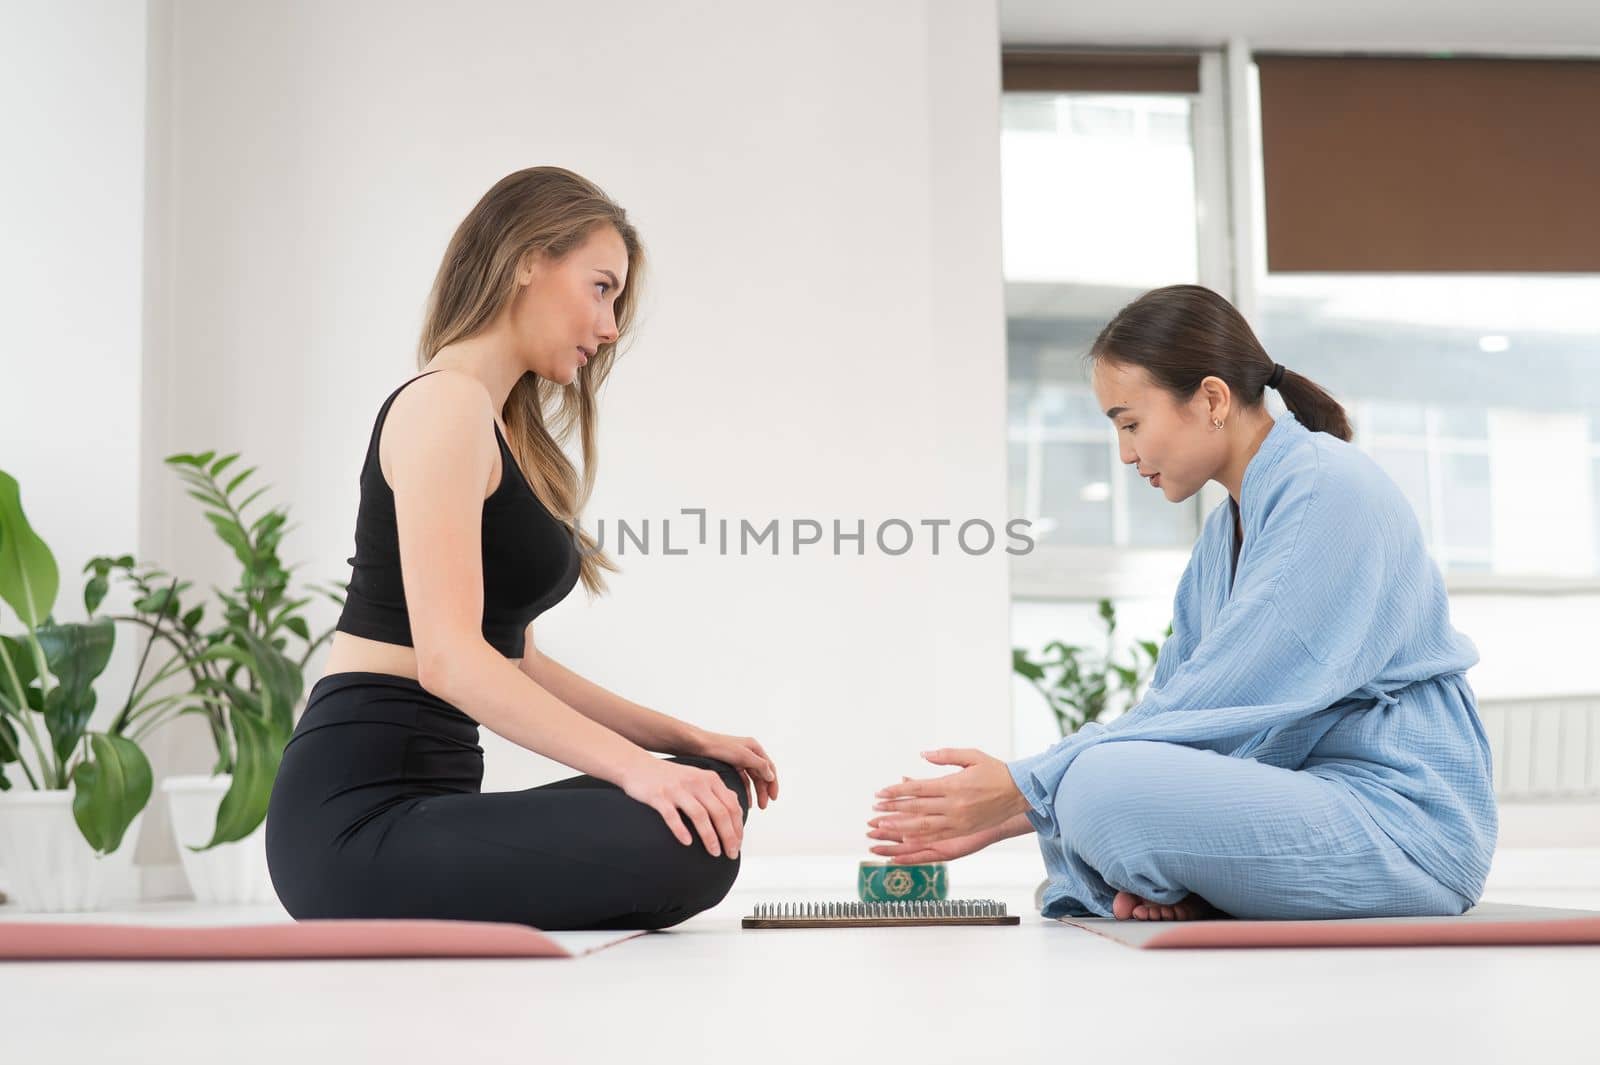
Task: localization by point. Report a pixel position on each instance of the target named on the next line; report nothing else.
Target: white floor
(708, 991)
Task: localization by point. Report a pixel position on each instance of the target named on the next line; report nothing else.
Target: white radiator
(1546, 747)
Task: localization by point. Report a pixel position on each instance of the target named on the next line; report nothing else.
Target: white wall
(823, 335)
(71, 216)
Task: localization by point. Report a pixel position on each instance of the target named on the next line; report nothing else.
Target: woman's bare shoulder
(444, 410)
(443, 395)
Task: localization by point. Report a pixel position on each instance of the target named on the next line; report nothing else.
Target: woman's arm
(649, 729)
(437, 452)
(440, 450)
(1017, 826)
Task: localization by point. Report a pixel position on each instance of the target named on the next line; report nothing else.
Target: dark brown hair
(1183, 334)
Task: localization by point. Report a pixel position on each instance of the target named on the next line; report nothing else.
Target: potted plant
(67, 839)
(1079, 687)
(244, 680)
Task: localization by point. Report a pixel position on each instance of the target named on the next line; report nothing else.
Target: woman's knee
(730, 776)
(1095, 781)
(694, 880)
(1100, 803)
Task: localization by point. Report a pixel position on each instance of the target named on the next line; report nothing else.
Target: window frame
(1078, 572)
(1231, 242)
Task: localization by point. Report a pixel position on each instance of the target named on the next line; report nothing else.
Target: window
(1476, 392)
(1105, 195)
(1473, 394)
(1099, 204)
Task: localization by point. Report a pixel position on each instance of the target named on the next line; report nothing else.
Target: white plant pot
(50, 867)
(230, 872)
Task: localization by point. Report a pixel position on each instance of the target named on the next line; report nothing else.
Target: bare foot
(1188, 908)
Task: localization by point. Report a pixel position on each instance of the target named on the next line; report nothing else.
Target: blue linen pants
(1257, 841)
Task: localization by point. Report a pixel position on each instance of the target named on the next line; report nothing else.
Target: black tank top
(530, 561)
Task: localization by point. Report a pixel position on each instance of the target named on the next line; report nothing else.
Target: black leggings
(377, 812)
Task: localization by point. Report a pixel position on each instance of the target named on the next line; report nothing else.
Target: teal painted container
(885, 882)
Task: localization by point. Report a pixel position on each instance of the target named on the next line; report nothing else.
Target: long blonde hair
(548, 210)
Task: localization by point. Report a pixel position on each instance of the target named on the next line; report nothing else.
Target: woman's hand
(745, 754)
(668, 787)
(953, 809)
(900, 852)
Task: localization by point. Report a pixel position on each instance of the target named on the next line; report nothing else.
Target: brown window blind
(1390, 165)
(1061, 71)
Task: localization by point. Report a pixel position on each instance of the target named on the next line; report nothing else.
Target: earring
(1217, 422)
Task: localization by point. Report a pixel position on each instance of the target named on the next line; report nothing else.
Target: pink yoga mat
(57, 940)
(1487, 924)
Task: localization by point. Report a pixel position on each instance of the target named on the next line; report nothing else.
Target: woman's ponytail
(1313, 407)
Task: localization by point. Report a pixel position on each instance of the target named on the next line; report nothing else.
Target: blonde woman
(467, 530)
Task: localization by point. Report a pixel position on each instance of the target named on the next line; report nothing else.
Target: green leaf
(286, 609)
(1020, 663)
(280, 678)
(94, 593)
(229, 532)
(160, 601)
(66, 717)
(10, 744)
(191, 620)
(210, 499)
(110, 787)
(76, 655)
(240, 479)
(21, 661)
(29, 579)
(235, 696)
(223, 463)
(245, 805)
(298, 626)
(251, 498)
